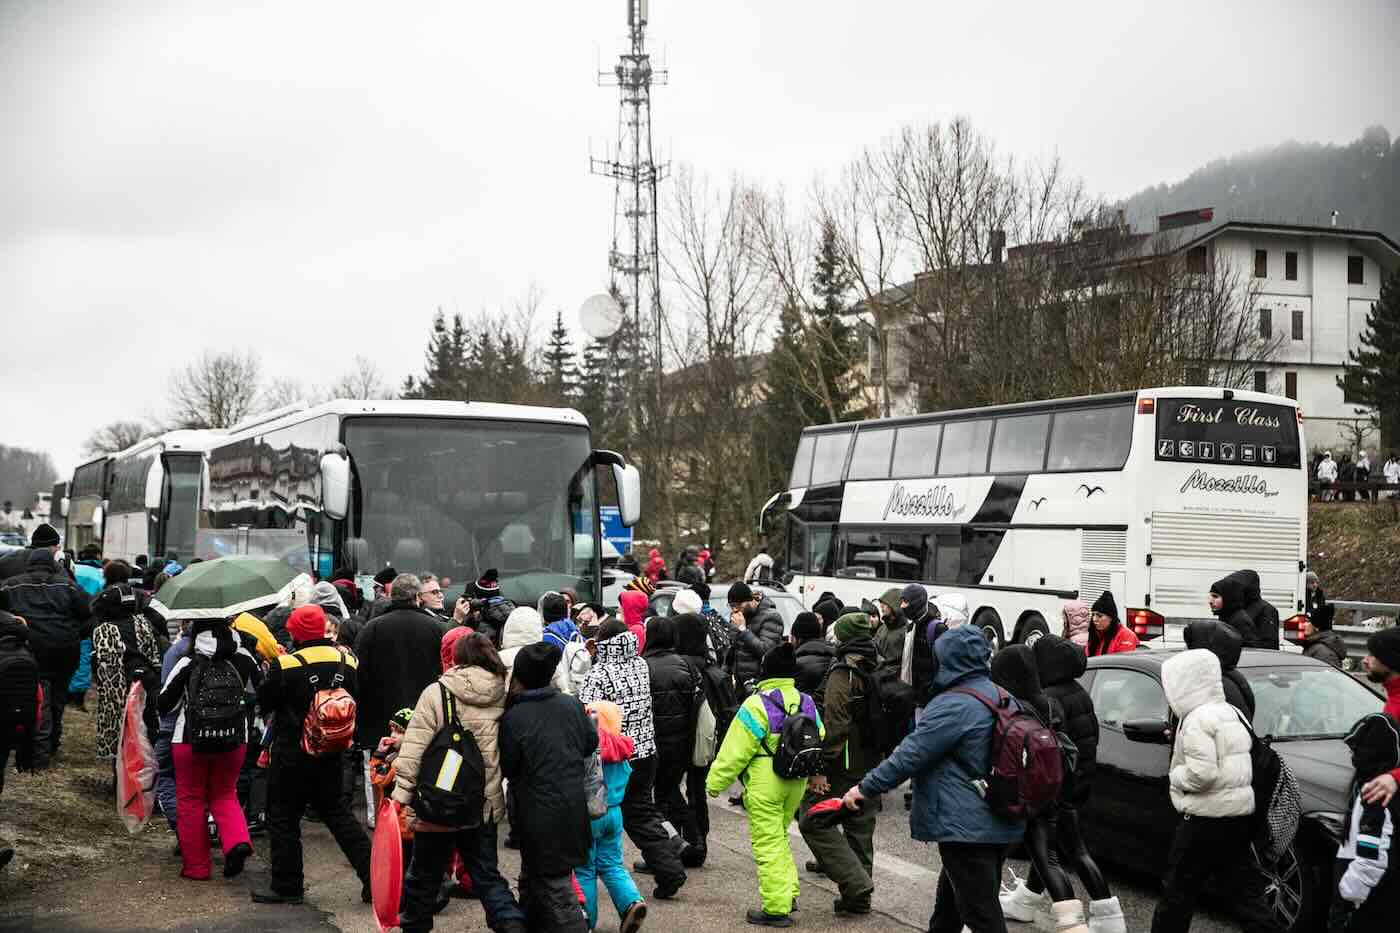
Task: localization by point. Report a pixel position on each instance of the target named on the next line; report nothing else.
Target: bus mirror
(629, 493)
(335, 485)
(155, 484)
(63, 507)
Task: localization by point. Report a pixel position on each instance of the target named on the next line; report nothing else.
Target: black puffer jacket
(1014, 670)
(762, 633)
(59, 614)
(1225, 643)
(1263, 616)
(675, 685)
(1060, 663)
(1231, 611)
(691, 632)
(814, 659)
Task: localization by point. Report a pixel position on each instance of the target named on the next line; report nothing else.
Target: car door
(1129, 817)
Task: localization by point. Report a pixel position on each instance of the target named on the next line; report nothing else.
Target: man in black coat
(1225, 643)
(399, 654)
(59, 617)
(814, 653)
(692, 815)
(1262, 615)
(675, 692)
(755, 630)
(545, 736)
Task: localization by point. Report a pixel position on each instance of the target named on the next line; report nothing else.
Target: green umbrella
(222, 588)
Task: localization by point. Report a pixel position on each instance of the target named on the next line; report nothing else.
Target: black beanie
(44, 536)
(385, 576)
(806, 626)
(1106, 605)
(1384, 646)
(535, 664)
(553, 607)
(739, 593)
(780, 662)
(829, 609)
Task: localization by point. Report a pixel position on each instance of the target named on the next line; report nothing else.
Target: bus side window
(821, 554)
(796, 546)
(906, 556)
(944, 557)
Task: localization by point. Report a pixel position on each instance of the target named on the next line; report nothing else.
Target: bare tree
(117, 436)
(363, 381)
(216, 391)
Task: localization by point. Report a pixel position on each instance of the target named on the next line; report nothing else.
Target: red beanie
(306, 623)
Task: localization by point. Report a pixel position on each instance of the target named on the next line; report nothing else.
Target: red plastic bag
(386, 866)
(136, 764)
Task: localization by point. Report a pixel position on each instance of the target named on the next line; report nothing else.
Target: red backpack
(1027, 767)
(329, 724)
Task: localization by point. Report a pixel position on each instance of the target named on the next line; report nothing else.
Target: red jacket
(1392, 708)
(1123, 640)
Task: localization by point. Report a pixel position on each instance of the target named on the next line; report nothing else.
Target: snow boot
(1069, 917)
(1022, 904)
(1106, 916)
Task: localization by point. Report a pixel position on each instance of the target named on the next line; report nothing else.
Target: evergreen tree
(561, 375)
(445, 371)
(593, 385)
(1373, 378)
(787, 406)
(835, 339)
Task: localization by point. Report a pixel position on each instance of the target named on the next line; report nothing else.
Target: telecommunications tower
(635, 256)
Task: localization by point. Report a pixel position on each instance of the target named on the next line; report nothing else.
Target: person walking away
(754, 630)
(918, 665)
(760, 568)
(1368, 881)
(1225, 643)
(126, 648)
(952, 737)
(1227, 602)
(545, 735)
(1060, 663)
(605, 855)
(299, 774)
(206, 689)
(845, 850)
(771, 801)
(1382, 666)
(1107, 634)
(890, 636)
(59, 617)
(620, 676)
(19, 703)
(560, 630)
(1319, 641)
(693, 818)
(1014, 670)
(1327, 476)
(87, 573)
(675, 693)
(475, 687)
(1262, 615)
(398, 655)
(277, 616)
(1210, 787)
(814, 653)
(1363, 475)
(1346, 474)
(1074, 614)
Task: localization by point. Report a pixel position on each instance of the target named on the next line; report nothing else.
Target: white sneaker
(1069, 917)
(1022, 904)
(1106, 916)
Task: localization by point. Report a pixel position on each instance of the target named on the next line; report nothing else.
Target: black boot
(233, 862)
(269, 896)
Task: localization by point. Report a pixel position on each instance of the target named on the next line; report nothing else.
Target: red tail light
(1146, 624)
(1300, 416)
(1293, 626)
(1146, 406)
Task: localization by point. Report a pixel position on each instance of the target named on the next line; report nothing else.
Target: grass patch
(1355, 549)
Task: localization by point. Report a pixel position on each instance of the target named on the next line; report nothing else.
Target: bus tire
(1031, 628)
(990, 624)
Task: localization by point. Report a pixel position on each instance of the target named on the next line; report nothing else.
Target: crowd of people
(1332, 474)
(569, 727)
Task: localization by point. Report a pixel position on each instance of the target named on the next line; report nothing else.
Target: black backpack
(19, 701)
(451, 789)
(799, 751)
(215, 706)
(889, 705)
(1277, 799)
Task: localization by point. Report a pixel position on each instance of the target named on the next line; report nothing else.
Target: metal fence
(1355, 613)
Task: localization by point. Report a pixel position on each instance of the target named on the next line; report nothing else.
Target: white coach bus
(454, 488)
(153, 496)
(1152, 495)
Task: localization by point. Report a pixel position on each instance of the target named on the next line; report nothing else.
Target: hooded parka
(675, 686)
(1060, 663)
(1210, 767)
(622, 677)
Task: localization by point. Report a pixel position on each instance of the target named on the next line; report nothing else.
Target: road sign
(618, 534)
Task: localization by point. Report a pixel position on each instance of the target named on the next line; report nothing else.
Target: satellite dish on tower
(601, 316)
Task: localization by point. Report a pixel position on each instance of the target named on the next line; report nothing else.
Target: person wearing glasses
(430, 598)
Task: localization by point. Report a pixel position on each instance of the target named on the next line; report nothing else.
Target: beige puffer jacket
(1211, 771)
(480, 698)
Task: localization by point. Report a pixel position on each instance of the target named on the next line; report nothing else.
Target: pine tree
(1373, 378)
(593, 386)
(835, 340)
(787, 406)
(561, 375)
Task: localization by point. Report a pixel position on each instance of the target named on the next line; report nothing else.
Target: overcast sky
(312, 179)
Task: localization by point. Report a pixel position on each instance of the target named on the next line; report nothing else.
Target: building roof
(1205, 232)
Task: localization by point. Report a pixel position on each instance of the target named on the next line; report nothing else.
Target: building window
(1290, 385)
(1356, 271)
(1196, 260)
(1261, 264)
(1261, 381)
(1266, 323)
(1290, 266)
(1297, 324)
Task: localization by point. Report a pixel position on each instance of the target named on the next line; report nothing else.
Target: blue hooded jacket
(952, 739)
(561, 633)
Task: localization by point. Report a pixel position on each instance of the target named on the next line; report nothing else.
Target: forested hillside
(1290, 183)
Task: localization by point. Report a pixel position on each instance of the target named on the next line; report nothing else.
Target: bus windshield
(457, 497)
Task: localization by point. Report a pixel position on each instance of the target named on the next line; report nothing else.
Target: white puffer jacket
(524, 626)
(1211, 771)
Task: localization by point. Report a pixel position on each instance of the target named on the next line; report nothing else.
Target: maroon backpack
(1027, 767)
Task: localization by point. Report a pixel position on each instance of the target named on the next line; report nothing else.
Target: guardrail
(1355, 491)
(1355, 634)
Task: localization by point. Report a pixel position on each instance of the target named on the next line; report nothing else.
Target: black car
(1305, 705)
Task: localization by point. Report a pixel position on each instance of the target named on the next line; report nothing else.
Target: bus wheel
(990, 623)
(1032, 627)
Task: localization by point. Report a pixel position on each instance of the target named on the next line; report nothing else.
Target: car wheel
(1289, 891)
(1031, 629)
(990, 623)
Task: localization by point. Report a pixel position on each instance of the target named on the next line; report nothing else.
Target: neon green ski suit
(771, 801)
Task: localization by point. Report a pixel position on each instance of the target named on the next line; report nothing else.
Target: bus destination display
(1227, 432)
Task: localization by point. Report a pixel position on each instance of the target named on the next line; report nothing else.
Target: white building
(1314, 287)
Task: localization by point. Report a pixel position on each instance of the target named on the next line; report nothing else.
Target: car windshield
(788, 607)
(459, 497)
(1307, 702)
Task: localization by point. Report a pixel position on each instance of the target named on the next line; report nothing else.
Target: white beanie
(686, 601)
